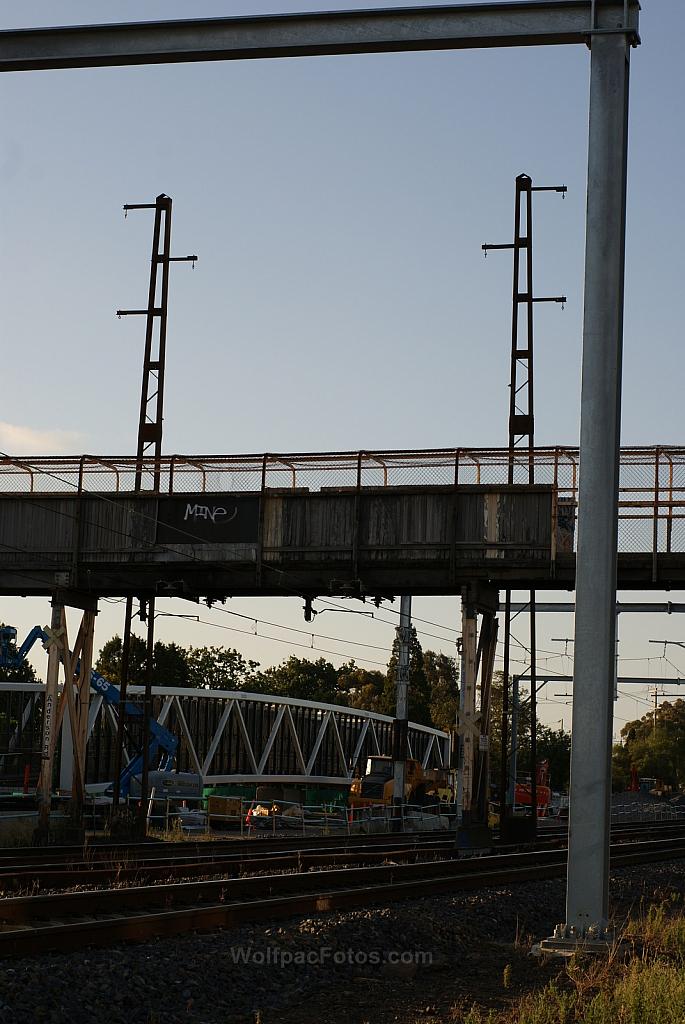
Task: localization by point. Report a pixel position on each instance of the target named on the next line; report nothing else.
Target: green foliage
(419, 693)
(301, 679)
(646, 988)
(109, 660)
(639, 994)
(220, 668)
(433, 682)
(654, 744)
(204, 667)
(442, 675)
(553, 745)
(361, 688)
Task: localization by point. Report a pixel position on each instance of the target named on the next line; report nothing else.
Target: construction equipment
(163, 744)
(523, 791)
(421, 785)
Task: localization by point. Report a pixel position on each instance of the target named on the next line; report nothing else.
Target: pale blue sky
(341, 300)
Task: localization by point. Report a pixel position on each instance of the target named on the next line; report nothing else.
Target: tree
(108, 661)
(495, 727)
(655, 744)
(443, 682)
(301, 679)
(419, 688)
(220, 668)
(360, 688)
(553, 745)
(169, 663)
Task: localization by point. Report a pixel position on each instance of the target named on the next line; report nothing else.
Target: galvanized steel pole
(513, 760)
(595, 618)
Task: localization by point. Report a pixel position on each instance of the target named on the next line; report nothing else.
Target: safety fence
(647, 811)
(255, 818)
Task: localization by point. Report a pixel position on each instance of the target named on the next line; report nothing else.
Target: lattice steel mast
(150, 424)
(522, 433)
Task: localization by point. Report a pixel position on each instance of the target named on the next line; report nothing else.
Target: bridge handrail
(364, 468)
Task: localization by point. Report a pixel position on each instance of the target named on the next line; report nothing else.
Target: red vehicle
(522, 793)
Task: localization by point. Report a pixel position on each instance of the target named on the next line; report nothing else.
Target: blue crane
(163, 744)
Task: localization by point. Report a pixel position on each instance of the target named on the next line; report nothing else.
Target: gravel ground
(335, 967)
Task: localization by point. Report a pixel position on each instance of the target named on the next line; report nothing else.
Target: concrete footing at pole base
(567, 940)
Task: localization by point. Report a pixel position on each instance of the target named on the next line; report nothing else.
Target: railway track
(73, 920)
(33, 870)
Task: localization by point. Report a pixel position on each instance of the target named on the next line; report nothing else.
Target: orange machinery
(523, 795)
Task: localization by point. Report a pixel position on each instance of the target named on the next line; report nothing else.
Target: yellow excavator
(421, 785)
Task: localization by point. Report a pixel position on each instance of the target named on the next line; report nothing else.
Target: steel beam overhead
(641, 607)
(544, 677)
(554, 22)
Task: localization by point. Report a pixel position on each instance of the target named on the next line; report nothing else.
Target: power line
(293, 629)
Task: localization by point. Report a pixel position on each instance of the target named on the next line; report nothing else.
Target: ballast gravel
(416, 960)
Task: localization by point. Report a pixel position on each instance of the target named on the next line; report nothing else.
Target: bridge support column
(75, 726)
(66, 758)
(587, 895)
(50, 728)
(472, 777)
(80, 742)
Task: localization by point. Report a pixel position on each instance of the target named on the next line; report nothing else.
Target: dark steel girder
(536, 22)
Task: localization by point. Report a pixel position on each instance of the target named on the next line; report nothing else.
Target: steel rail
(55, 876)
(29, 924)
(98, 850)
(195, 860)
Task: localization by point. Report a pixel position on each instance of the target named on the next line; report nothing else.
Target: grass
(17, 832)
(641, 981)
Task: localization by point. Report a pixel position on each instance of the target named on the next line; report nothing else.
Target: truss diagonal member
(189, 739)
(93, 712)
(271, 740)
(216, 738)
(374, 734)
(317, 742)
(339, 745)
(245, 737)
(166, 708)
(427, 753)
(296, 740)
(359, 746)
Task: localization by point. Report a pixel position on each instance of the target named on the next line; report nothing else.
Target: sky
(341, 299)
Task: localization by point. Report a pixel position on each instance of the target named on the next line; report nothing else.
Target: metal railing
(652, 480)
